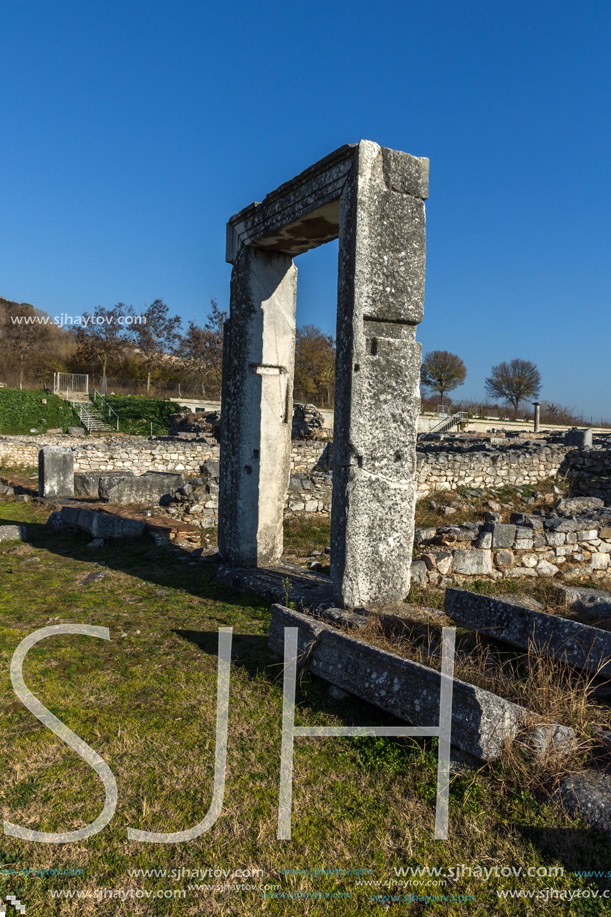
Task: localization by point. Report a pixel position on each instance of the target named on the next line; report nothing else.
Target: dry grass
(552, 691)
(431, 510)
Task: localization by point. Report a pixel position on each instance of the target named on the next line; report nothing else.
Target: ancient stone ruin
(372, 199)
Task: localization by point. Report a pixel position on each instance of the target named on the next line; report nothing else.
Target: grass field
(22, 411)
(146, 702)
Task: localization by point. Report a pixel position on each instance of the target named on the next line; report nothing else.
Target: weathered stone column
(380, 303)
(56, 472)
(257, 399)
(537, 420)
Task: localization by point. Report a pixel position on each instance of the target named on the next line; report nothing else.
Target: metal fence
(78, 382)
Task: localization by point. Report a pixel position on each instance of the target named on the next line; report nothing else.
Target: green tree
(442, 372)
(514, 382)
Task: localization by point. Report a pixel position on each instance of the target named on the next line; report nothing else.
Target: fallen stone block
(587, 648)
(580, 598)
(573, 506)
(13, 533)
(481, 721)
(588, 796)
(86, 484)
(102, 525)
(134, 488)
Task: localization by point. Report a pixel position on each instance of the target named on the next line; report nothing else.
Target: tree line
(151, 351)
(154, 352)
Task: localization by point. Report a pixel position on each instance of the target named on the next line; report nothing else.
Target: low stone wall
(527, 546)
(140, 454)
(590, 473)
(446, 466)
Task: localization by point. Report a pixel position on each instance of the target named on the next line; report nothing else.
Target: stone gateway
(372, 199)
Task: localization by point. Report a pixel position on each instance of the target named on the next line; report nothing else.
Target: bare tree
(156, 336)
(514, 382)
(314, 364)
(103, 338)
(25, 332)
(202, 350)
(442, 372)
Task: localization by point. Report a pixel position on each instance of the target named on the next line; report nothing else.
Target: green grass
(146, 702)
(21, 411)
(137, 413)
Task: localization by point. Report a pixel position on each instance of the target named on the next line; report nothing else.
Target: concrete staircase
(90, 416)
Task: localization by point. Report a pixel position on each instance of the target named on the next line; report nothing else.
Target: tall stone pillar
(537, 420)
(380, 303)
(257, 399)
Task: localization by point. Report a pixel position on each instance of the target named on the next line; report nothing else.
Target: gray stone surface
(87, 483)
(503, 534)
(13, 533)
(308, 422)
(56, 472)
(258, 362)
(142, 488)
(581, 598)
(471, 562)
(580, 438)
(418, 573)
(573, 506)
(125, 487)
(588, 796)
(580, 645)
(102, 525)
(373, 199)
(481, 721)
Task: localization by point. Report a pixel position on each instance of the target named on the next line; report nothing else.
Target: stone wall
(589, 473)
(140, 454)
(441, 466)
(530, 545)
(448, 466)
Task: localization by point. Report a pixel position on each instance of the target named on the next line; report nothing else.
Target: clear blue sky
(133, 130)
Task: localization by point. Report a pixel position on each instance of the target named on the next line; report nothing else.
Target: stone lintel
(303, 213)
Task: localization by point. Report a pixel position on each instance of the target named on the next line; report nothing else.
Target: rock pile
(196, 500)
(203, 425)
(576, 540)
(308, 422)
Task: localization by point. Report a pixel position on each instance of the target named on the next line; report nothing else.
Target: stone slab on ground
(581, 598)
(587, 648)
(138, 488)
(13, 533)
(588, 796)
(102, 525)
(281, 583)
(481, 721)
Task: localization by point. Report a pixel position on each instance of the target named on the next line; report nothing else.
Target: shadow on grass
(580, 850)
(251, 654)
(167, 566)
